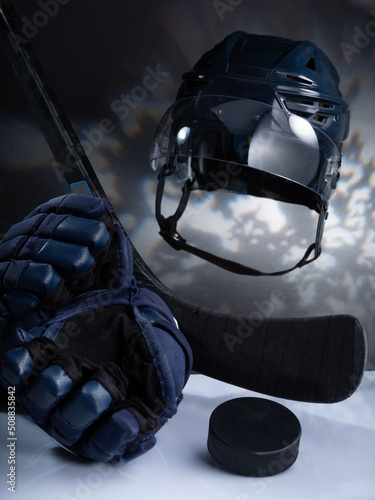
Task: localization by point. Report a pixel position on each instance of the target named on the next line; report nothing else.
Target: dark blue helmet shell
(258, 67)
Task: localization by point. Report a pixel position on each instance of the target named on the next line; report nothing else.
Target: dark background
(94, 52)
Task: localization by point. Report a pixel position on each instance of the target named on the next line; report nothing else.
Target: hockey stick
(316, 359)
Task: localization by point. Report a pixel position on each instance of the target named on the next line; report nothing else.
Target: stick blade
(314, 359)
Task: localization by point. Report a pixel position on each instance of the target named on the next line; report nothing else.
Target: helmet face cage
(199, 138)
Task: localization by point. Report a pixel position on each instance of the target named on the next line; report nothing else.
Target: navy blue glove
(95, 361)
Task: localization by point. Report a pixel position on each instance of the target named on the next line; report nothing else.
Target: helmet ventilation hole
(310, 64)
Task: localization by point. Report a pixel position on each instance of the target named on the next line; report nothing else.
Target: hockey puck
(254, 437)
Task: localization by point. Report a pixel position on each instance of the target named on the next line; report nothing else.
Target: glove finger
(78, 411)
(27, 285)
(113, 436)
(68, 257)
(21, 364)
(125, 434)
(68, 228)
(83, 206)
(26, 275)
(46, 391)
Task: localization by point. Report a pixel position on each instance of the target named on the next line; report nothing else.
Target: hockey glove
(95, 361)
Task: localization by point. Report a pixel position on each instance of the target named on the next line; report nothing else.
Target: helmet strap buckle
(168, 230)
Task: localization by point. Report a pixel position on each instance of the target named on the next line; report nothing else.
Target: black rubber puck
(254, 437)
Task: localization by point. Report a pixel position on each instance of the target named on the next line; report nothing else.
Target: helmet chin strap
(168, 230)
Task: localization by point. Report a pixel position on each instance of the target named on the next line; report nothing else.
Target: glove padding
(96, 362)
